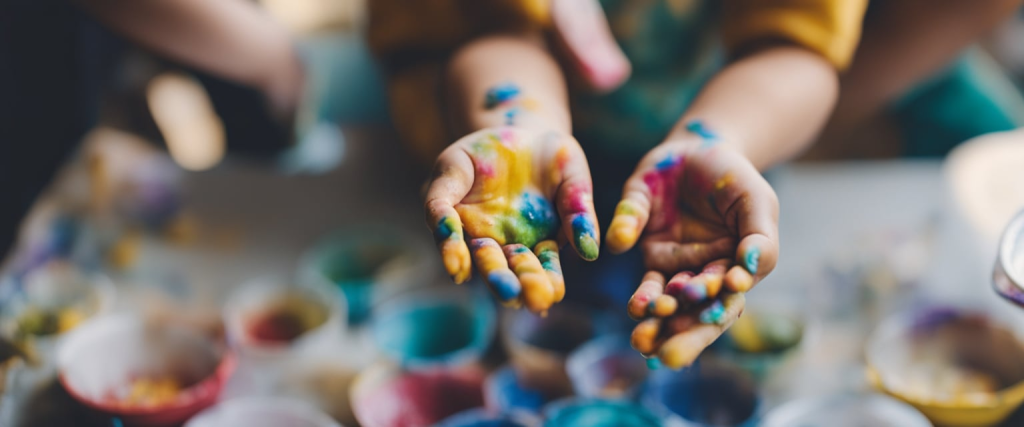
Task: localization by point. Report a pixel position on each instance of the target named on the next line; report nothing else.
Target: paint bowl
(958, 367)
(539, 346)
(760, 340)
(262, 412)
(711, 393)
(607, 367)
(144, 374)
(503, 392)
(576, 412)
(385, 395)
(368, 265)
(1008, 276)
(269, 317)
(481, 417)
(443, 325)
(846, 410)
(53, 300)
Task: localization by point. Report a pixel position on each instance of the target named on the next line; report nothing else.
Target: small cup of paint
(262, 412)
(539, 346)
(481, 417)
(324, 380)
(369, 265)
(504, 393)
(607, 367)
(712, 393)
(846, 410)
(957, 366)
(442, 325)
(582, 412)
(268, 316)
(384, 395)
(53, 300)
(145, 374)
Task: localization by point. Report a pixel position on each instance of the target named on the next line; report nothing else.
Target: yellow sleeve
(830, 28)
(403, 31)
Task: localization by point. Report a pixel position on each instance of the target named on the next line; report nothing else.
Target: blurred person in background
(639, 82)
(271, 89)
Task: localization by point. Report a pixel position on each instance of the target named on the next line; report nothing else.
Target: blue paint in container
(575, 412)
(706, 395)
(503, 392)
(435, 328)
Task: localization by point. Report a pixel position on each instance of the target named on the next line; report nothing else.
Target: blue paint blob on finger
(697, 127)
(505, 285)
(714, 314)
(752, 259)
(653, 363)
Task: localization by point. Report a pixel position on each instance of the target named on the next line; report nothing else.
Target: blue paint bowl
(437, 326)
(481, 417)
(503, 392)
(576, 412)
(607, 367)
(710, 394)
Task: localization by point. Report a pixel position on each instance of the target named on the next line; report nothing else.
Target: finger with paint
(537, 292)
(693, 332)
(649, 298)
(691, 290)
(547, 254)
(450, 184)
(648, 199)
(493, 265)
(571, 174)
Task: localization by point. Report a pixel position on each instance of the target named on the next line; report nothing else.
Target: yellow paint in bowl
(957, 367)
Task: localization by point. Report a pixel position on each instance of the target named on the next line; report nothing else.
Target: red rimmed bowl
(104, 363)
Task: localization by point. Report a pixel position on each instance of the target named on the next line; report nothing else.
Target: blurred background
(207, 210)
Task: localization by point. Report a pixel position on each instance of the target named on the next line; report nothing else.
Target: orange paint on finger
(625, 227)
(663, 306)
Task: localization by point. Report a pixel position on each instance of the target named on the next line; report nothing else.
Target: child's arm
(500, 194)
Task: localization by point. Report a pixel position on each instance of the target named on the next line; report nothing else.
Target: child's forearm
(768, 105)
(519, 61)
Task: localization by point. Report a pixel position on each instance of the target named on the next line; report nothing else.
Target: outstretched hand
(498, 199)
(707, 223)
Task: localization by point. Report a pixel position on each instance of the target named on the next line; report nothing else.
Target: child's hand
(502, 186)
(701, 207)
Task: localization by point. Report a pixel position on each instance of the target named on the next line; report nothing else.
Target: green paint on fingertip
(653, 363)
(714, 314)
(752, 259)
(583, 230)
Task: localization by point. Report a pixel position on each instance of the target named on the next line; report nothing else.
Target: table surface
(827, 209)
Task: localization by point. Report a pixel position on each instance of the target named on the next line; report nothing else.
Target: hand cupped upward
(497, 201)
(707, 222)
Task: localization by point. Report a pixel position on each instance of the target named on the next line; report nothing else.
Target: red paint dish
(386, 396)
(102, 358)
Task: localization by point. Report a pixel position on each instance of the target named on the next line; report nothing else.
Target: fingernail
(505, 284)
(583, 230)
(714, 314)
(752, 259)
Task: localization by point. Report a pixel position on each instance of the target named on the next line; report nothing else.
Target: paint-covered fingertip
(752, 259)
(738, 279)
(675, 356)
(622, 234)
(505, 285)
(584, 233)
(664, 306)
